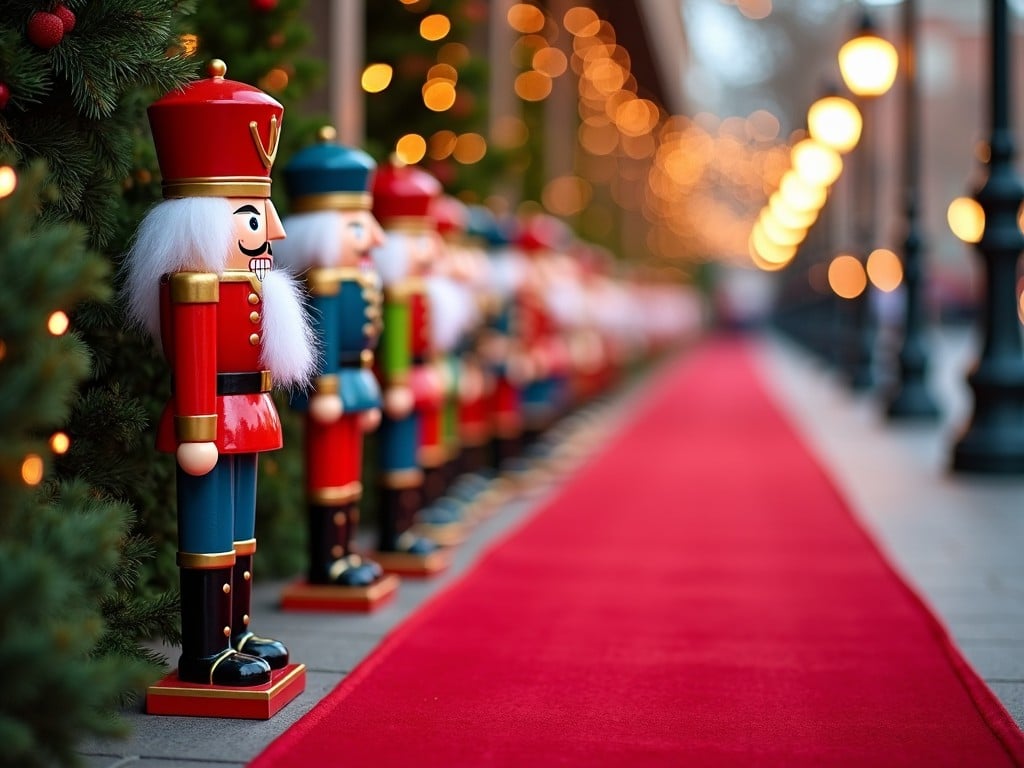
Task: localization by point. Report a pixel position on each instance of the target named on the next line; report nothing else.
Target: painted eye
(254, 223)
(357, 228)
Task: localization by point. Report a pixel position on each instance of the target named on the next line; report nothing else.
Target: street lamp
(911, 398)
(994, 439)
(868, 65)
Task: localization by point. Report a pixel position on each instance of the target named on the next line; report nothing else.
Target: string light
(32, 469)
(885, 271)
(8, 180)
(376, 77)
(58, 323)
(435, 27)
(470, 148)
(966, 219)
(59, 443)
(846, 276)
(411, 148)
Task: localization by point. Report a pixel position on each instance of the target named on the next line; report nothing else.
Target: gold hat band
(218, 186)
(408, 224)
(333, 201)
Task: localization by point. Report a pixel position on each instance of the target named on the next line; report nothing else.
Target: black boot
(206, 656)
(331, 561)
(397, 507)
(271, 651)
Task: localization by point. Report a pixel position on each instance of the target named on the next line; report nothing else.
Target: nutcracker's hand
(398, 401)
(326, 409)
(197, 458)
(369, 420)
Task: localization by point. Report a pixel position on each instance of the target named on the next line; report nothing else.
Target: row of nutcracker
(399, 311)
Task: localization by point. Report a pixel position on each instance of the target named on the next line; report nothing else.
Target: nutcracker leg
(242, 639)
(331, 528)
(206, 656)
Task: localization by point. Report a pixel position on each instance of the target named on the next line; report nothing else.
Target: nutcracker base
(416, 566)
(303, 596)
(442, 534)
(171, 696)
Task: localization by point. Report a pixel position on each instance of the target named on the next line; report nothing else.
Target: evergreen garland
(60, 542)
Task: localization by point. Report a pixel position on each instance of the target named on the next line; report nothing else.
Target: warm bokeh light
(598, 139)
(550, 61)
(509, 131)
(376, 77)
(189, 44)
(532, 85)
(3, 349)
(469, 148)
(32, 469)
(275, 80)
(411, 148)
(454, 54)
(868, 64)
(755, 9)
(789, 217)
(566, 195)
(443, 72)
(525, 18)
(762, 125)
(966, 219)
(816, 163)
(778, 232)
(581, 21)
(435, 27)
(441, 145)
(846, 276)
(768, 249)
(438, 95)
(58, 323)
(59, 443)
(8, 180)
(885, 270)
(835, 122)
(799, 195)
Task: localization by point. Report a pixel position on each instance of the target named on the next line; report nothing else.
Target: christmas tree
(75, 79)
(61, 544)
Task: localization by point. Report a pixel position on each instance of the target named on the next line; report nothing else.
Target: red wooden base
(416, 566)
(303, 596)
(171, 696)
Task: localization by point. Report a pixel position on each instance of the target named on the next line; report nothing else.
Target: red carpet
(697, 595)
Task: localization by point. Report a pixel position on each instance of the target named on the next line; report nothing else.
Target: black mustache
(253, 252)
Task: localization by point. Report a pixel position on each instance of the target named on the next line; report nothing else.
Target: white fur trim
(191, 233)
(314, 240)
(287, 349)
(449, 311)
(391, 258)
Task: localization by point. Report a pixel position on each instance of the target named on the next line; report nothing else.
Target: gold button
(246, 575)
(227, 631)
(339, 518)
(227, 589)
(254, 298)
(368, 329)
(366, 358)
(245, 619)
(254, 316)
(254, 339)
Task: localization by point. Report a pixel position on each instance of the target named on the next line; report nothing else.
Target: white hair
(314, 240)
(186, 234)
(391, 259)
(449, 311)
(288, 343)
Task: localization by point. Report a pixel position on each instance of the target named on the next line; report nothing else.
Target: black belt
(351, 359)
(248, 383)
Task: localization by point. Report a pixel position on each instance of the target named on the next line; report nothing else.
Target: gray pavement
(955, 539)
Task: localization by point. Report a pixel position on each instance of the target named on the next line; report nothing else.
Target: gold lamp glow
(799, 195)
(816, 163)
(868, 62)
(835, 122)
(966, 218)
(787, 216)
(778, 232)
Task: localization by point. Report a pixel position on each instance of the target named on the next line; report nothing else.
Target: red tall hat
(402, 196)
(451, 216)
(216, 138)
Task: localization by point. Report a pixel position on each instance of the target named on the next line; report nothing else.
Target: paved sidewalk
(956, 539)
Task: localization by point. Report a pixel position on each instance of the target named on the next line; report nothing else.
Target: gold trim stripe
(338, 494)
(328, 384)
(333, 201)
(215, 560)
(432, 456)
(195, 288)
(246, 547)
(413, 224)
(218, 186)
(239, 694)
(402, 478)
(196, 429)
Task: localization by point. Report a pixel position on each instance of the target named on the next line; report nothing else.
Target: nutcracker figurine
(401, 203)
(200, 279)
(330, 234)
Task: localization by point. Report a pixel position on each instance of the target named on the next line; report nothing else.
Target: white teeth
(260, 266)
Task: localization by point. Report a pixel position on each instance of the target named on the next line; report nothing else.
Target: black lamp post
(994, 439)
(911, 398)
(868, 66)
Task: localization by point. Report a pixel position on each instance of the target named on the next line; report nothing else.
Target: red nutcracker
(200, 279)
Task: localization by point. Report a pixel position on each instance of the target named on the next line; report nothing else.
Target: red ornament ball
(45, 29)
(67, 17)
(263, 5)
(5, 94)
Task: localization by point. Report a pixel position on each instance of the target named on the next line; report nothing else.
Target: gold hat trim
(333, 201)
(217, 186)
(267, 154)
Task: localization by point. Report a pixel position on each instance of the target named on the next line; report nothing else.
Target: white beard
(391, 258)
(288, 348)
(448, 311)
(314, 240)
